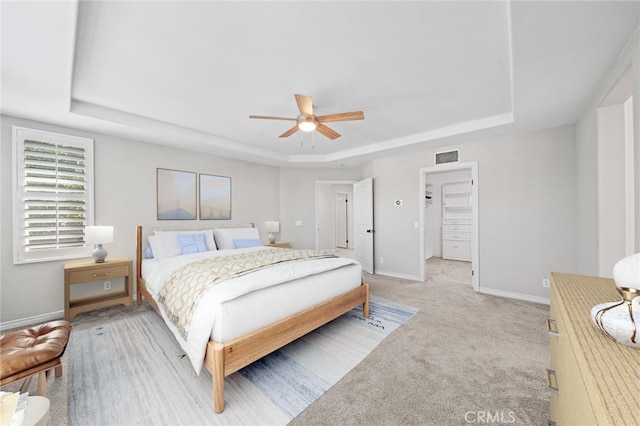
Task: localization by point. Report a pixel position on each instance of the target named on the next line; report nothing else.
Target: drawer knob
(552, 328)
(105, 274)
(552, 381)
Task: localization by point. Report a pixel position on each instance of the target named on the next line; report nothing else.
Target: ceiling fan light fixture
(306, 124)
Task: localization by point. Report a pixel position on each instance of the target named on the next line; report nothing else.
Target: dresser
(592, 379)
(456, 220)
(456, 239)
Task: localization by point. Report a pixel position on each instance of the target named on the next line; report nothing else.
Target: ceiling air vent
(447, 157)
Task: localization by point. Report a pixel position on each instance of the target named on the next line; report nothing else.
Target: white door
(342, 230)
(363, 223)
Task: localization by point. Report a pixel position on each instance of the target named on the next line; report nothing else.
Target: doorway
(334, 227)
(462, 182)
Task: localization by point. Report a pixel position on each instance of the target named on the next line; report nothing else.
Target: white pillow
(168, 245)
(153, 243)
(225, 236)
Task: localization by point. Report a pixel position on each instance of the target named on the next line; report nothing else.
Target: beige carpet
(463, 358)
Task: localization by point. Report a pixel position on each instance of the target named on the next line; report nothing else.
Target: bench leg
(42, 383)
(25, 385)
(59, 371)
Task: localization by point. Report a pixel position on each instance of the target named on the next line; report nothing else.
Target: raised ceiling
(189, 74)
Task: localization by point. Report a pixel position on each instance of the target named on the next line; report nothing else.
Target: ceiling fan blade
(289, 132)
(330, 133)
(268, 117)
(342, 116)
(305, 105)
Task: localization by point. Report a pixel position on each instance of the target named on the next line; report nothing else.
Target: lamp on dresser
(272, 227)
(98, 235)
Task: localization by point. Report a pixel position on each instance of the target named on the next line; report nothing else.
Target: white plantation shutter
(54, 195)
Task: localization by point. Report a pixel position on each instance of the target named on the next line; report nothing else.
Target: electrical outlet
(107, 285)
(545, 283)
(381, 260)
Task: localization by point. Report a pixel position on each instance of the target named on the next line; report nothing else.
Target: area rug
(132, 371)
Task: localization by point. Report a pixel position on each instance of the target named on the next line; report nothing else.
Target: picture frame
(176, 195)
(215, 197)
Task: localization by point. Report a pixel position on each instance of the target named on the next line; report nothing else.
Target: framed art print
(215, 197)
(176, 195)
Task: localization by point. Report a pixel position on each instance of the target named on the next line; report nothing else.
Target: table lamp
(272, 227)
(98, 235)
(621, 320)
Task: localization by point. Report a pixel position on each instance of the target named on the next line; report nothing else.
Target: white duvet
(156, 272)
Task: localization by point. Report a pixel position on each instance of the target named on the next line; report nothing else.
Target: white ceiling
(189, 74)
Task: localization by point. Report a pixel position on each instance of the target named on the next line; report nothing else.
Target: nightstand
(87, 271)
(279, 244)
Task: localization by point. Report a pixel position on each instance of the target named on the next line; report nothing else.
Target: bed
(241, 319)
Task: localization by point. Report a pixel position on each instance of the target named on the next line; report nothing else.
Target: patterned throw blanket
(185, 287)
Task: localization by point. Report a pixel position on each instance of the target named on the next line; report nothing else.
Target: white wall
(125, 196)
(298, 201)
(526, 205)
(588, 157)
(611, 188)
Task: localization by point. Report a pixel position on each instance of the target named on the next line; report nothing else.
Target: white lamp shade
(272, 226)
(626, 273)
(98, 234)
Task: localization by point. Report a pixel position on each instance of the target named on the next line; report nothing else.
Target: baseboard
(397, 275)
(512, 295)
(38, 319)
(29, 321)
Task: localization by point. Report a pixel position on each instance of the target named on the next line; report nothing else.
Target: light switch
(298, 223)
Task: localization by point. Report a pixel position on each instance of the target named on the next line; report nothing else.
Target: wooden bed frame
(224, 359)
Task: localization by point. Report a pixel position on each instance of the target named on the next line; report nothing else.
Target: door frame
(475, 243)
(317, 210)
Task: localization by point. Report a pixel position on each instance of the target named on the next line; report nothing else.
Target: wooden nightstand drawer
(98, 273)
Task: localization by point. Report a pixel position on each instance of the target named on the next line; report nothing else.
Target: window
(53, 182)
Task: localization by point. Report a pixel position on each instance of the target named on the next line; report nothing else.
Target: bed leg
(365, 305)
(218, 377)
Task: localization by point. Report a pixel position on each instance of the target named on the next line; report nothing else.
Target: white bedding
(235, 307)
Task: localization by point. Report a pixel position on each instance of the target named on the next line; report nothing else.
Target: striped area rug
(132, 371)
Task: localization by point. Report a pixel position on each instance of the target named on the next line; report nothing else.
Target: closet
(448, 215)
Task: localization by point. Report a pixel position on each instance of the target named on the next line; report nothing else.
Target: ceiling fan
(308, 122)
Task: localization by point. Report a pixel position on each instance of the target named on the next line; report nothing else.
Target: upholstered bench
(36, 350)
